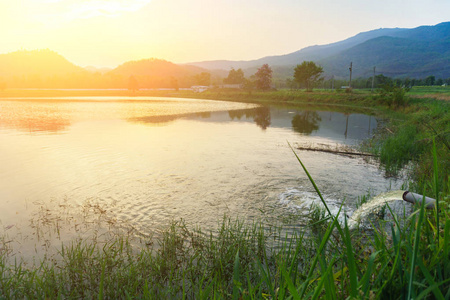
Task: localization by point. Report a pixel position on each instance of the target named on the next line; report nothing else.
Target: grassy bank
(250, 261)
(255, 261)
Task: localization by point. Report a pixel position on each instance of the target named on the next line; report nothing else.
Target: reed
(243, 260)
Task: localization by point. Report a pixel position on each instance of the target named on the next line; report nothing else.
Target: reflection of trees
(204, 115)
(262, 117)
(239, 113)
(28, 117)
(306, 122)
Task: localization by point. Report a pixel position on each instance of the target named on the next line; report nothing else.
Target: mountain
(93, 69)
(396, 52)
(416, 53)
(42, 63)
(156, 67)
(394, 57)
(309, 53)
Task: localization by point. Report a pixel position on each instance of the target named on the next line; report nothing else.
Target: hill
(48, 69)
(42, 63)
(156, 67)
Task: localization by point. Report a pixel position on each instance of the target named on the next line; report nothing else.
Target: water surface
(151, 160)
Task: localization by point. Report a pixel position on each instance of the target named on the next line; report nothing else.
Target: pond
(146, 161)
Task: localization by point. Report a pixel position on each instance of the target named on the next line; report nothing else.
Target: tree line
(307, 75)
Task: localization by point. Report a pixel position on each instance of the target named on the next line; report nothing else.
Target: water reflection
(50, 116)
(32, 117)
(169, 118)
(262, 117)
(210, 158)
(306, 122)
(56, 115)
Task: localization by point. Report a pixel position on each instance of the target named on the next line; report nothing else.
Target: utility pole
(350, 82)
(332, 82)
(373, 78)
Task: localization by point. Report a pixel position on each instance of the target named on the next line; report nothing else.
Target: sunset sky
(110, 32)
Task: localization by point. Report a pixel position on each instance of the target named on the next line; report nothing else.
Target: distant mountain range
(395, 52)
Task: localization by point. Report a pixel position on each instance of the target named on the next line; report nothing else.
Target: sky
(107, 33)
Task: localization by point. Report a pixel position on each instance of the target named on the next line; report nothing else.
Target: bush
(393, 96)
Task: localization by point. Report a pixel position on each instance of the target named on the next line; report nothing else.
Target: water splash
(302, 202)
(373, 207)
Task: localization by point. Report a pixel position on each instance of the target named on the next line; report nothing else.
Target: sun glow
(107, 33)
(52, 12)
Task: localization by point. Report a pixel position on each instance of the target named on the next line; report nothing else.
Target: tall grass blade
(330, 288)
(236, 274)
(313, 183)
(102, 280)
(323, 243)
(436, 183)
(365, 280)
(322, 280)
(437, 293)
(416, 248)
(267, 279)
(426, 292)
(290, 285)
(447, 239)
(350, 262)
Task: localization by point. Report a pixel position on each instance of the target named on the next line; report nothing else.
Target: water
(146, 161)
(362, 216)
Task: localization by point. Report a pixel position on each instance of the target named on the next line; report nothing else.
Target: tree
(204, 78)
(174, 83)
(235, 77)
(308, 73)
(133, 84)
(382, 80)
(264, 77)
(429, 81)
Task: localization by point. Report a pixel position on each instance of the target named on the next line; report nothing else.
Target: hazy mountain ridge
(397, 52)
(395, 57)
(36, 62)
(156, 67)
(315, 52)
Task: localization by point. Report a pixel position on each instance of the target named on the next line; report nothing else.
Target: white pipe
(417, 198)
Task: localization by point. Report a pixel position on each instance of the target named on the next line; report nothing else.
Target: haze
(109, 32)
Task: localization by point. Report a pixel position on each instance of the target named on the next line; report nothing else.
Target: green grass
(397, 260)
(251, 261)
(407, 136)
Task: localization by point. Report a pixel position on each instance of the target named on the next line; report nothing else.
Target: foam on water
(302, 201)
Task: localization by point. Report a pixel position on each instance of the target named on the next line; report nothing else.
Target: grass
(408, 137)
(403, 259)
(251, 261)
